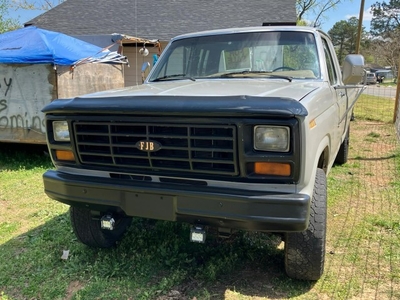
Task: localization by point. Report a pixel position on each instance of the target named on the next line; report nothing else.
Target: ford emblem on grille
(149, 146)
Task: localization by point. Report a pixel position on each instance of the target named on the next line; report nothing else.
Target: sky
(343, 11)
(347, 10)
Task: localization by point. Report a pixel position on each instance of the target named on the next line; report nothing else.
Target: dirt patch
(73, 287)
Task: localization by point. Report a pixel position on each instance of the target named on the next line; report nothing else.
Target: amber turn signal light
(272, 168)
(65, 155)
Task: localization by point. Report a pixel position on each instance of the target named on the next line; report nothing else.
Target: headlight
(61, 132)
(272, 138)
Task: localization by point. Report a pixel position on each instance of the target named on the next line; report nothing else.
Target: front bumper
(219, 207)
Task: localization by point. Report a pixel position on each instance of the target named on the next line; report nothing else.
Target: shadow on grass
(14, 156)
(374, 158)
(155, 260)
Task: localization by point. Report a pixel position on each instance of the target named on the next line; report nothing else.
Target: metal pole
(360, 20)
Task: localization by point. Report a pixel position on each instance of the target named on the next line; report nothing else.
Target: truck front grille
(208, 149)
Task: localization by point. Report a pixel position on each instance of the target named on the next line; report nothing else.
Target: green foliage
(9, 24)
(6, 24)
(344, 36)
(386, 17)
(35, 5)
(302, 23)
(384, 46)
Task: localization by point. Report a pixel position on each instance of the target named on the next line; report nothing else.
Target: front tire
(305, 251)
(89, 232)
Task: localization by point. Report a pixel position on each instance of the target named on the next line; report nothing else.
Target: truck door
(339, 94)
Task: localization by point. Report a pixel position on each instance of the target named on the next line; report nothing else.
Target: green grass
(153, 258)
(372, 108)
(390, 83)
(156, 259)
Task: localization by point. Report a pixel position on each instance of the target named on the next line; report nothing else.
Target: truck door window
(329, 64)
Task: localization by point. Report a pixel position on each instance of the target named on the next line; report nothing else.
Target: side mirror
(353, 69)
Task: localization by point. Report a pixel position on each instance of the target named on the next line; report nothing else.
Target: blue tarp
(32, 45)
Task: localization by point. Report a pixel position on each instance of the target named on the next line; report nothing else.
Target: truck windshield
(286, 54)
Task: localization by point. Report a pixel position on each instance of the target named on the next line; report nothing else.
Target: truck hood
(206, 98)
(217, 87)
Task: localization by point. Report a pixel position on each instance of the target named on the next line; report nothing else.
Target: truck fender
(321, 161)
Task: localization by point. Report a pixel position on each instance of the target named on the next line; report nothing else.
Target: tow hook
(107, 222)
(197, 234)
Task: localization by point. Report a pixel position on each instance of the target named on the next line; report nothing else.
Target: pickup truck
(234, 129)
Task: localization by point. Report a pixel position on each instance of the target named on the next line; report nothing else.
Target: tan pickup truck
(234, 129)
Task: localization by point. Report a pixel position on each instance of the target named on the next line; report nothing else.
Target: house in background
(141, 22)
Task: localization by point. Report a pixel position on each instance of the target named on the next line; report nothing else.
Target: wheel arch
(323, 160)
(323, 154)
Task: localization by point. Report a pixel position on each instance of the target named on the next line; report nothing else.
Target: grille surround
(192, 148)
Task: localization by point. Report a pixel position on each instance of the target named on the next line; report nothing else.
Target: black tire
(343, 154)
(305, 251)
(89, 232)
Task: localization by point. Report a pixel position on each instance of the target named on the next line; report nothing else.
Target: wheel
(89, 232)
(342, 155)
(305, 251)
(283, 68)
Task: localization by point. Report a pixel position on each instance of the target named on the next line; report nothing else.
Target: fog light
(197, 234)
(107, 222)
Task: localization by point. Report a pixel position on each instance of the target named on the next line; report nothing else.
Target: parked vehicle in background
(371, 78)
(385, 74)
(234, 129)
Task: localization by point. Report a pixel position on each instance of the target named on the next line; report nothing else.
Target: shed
(38, 66)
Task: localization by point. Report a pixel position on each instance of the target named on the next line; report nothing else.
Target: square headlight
(272, 138)
(61, 131)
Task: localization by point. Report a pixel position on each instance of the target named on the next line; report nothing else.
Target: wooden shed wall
(133, 72)
(26, 88)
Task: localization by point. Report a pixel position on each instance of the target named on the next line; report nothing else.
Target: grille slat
(203, 149)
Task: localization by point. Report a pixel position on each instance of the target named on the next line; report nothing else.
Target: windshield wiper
(174, 77)
(256, 72)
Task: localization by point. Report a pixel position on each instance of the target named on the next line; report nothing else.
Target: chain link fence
(397, 123)
(363, 259)
(397, 111)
